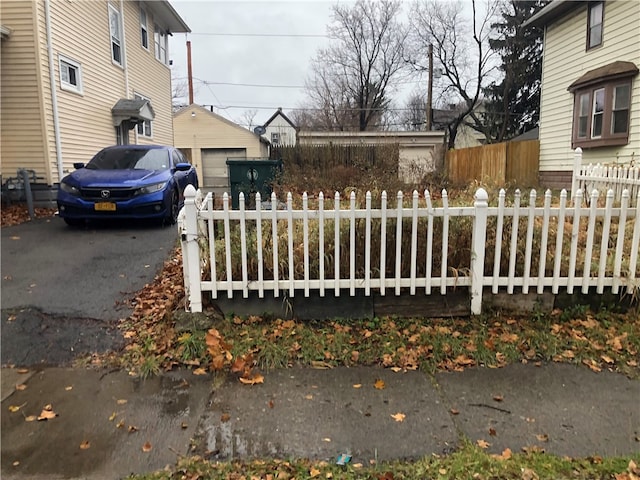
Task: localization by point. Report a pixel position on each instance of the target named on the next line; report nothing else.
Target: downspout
(124, 53)
(54, 98)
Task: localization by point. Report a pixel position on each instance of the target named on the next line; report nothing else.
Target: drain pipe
(54, 98)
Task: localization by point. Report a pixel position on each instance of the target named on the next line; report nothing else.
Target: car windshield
(130, 158)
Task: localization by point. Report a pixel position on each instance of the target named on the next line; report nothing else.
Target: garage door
(214, 168)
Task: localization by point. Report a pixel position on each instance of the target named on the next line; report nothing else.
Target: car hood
(88, 178)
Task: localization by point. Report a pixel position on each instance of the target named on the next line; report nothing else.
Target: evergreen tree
(512, 106)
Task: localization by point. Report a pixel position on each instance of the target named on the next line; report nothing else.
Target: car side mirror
(78, 165)
(183, 166)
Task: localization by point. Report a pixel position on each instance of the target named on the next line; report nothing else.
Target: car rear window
(133, 158)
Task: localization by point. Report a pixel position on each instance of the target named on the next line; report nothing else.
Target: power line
(284, 35)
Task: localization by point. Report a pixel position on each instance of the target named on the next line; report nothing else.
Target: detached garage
(209, 140)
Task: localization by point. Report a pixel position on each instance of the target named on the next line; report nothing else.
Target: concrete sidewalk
(309, 413)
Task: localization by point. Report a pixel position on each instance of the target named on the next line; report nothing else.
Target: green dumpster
(251, 177)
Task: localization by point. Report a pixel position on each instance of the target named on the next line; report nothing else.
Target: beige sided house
(77, 76)
(590, 85)
(209, 140)
(418, 150)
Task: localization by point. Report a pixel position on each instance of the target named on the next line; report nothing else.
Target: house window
(160, 38)
(275, 138)
(144, 35)
(70, 75)
(115, 28)
(144, 129)
(594, 27)
(601, 114)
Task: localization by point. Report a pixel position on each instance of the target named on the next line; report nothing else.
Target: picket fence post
(577, 166)
(478, 243)
(191, 250)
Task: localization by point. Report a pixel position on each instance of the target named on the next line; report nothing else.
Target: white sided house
(77, 76)
(208, 140)
(419, 151)
(590, 86)
(279, 130)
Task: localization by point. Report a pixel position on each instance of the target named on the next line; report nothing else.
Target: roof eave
(167, 16)
(552, 12)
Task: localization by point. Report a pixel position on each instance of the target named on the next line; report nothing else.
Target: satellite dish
(259, 130)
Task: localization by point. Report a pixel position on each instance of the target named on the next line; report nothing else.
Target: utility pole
(430, 91)
(189, 73)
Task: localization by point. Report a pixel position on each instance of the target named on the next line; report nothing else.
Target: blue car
(127, 182)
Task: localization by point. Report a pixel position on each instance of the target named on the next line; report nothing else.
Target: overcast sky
(250, 55)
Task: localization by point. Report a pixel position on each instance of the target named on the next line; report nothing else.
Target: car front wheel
(172, 212)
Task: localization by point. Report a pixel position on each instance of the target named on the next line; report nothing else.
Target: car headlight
(70, 189)
(156, 187)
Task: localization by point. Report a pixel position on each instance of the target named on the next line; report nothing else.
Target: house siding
(148, 77)
(85, 120)
(564, 61)
(21, 108)
(284, 128)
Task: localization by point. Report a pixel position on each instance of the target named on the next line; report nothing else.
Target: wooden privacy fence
(604, 177)
(407, 248)
(502, 162)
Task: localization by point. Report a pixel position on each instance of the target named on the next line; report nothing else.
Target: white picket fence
(605, 177)
(588, 254)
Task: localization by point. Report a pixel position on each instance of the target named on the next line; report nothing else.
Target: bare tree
(248, 118)
(352, 80)
(413, 116)
(459, 33)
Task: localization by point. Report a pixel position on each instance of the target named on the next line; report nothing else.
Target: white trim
(118, 39)
(65, 85)
(144, 27)
(137, 95)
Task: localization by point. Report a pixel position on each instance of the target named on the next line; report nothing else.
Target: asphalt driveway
(64, 289)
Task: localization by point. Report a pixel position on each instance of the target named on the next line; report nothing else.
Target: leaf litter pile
(244, 346)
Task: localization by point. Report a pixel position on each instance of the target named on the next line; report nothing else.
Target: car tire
(74, 222)
(174, 209)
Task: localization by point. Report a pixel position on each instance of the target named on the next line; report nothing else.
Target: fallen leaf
(120, 424)
(15, 408)
(225, 417)
(505, 455)
(379, 384)
(498, 398)
(607, 359)
(357, 385)
(22, 370)
(16, 463)
(320, 365)
(85, 445)
(113, 416)
(454, 411)
(146, 447)
(528, 474)
(492, 432)
(132, 429)
(399, 417)
(184, 425)
(483, 444)
(121, 401)
(68, 388)
(30, 418)
(542, 437)
(396, 369)
(308, 397)
(271, 404)
(326, 440)
(252, 380)
(200, 371)
(47, 413)
(314, 472)
(14, 237)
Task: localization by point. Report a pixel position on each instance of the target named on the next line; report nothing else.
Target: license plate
(105, 207)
